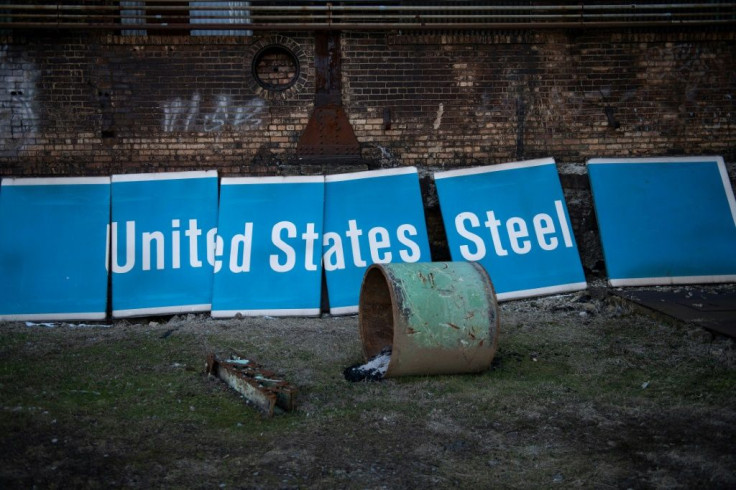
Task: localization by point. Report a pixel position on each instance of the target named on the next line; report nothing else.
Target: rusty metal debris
(259, 386)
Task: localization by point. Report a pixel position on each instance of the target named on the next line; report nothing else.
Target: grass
(605, 400)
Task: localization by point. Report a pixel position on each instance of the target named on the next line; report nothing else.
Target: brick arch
(289, 46)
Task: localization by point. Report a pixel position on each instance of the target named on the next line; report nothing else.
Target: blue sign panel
(512, 219)
(162, 226)
(370, 217)
(665, 220)
(52, 248)
(267, 256)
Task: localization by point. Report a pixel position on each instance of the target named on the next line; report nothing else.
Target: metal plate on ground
(712, 308)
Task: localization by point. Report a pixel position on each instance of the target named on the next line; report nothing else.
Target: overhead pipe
(362, 16)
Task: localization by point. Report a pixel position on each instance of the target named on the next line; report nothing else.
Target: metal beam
(178, 15)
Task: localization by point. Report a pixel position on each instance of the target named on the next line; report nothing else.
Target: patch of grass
(135, 379)
(563, 404)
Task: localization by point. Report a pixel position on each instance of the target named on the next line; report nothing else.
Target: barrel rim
(361, 316)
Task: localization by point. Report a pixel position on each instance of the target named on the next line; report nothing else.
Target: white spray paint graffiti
(180, 115)
(440, 113)
(18, 119)
(175, 111)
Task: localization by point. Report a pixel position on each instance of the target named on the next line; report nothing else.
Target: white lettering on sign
(413, 254)
(240, 261)
(161, 249)
(514, 234)
(309, 237)
(157, 255)
(215, 246)
(193, 233)
(379, 243)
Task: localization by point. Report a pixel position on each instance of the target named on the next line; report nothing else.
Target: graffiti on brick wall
(189, 115)
(18, 114)
(689, 71)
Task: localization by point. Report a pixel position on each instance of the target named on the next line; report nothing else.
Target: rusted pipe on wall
(172, 15)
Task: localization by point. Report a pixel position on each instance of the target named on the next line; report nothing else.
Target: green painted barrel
(437, 317)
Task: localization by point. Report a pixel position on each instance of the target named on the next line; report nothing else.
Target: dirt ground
(585, 391)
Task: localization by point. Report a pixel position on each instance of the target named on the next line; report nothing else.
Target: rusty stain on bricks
(329, 136)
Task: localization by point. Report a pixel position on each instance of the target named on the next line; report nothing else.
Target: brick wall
(478, 99)
(98, 104)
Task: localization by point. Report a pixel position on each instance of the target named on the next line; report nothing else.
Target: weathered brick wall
(109, 104)
(469, 99)
(98, 104)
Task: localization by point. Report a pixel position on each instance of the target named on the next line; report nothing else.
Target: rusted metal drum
(437, 317)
